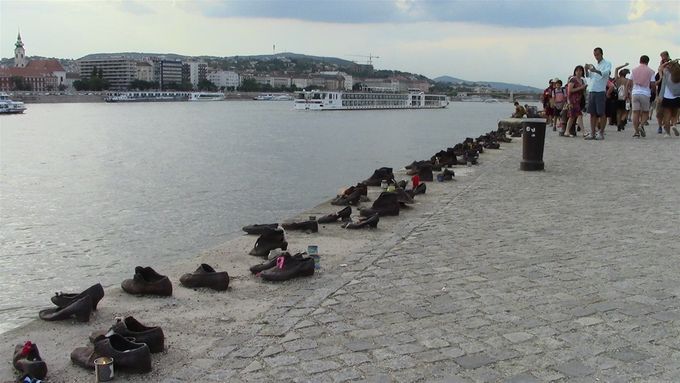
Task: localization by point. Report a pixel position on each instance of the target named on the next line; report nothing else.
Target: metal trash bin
(533, 142)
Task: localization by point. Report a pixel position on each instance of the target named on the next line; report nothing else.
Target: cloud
(516, 13)
(135, 7)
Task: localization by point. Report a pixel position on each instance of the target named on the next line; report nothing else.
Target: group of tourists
(591, 89)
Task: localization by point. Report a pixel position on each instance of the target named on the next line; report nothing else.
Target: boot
(131, 328)
(268, 241)
(370, 222)
(260, 228)
(342, 214)
(310, 226)
(147, 281)
(27, 360)
(272, 262)
(420, 189)
(425, 172)
(206, 276)
(385, 204)
(378, 176)
(127, 355)
(289, 267)
(447, 175)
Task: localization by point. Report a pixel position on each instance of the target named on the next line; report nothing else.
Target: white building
(197, 71)
(301, 83)
(144, 71)
(224, 78)
(347, 79)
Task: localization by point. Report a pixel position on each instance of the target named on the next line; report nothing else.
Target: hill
(492, 84)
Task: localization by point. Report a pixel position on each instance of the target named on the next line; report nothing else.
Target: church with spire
(19, 53)
(33, 75)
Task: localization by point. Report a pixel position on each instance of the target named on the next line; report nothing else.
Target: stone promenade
(566, 275)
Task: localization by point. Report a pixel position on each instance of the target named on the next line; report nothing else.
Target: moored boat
(273, 97)
(8, 106)
(206, 96)
(340, 100)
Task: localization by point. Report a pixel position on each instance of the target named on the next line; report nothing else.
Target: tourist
(623, 97)
(547, 108)
(665, 57)
(575, 93)
(599, 74)
(519, 111)
(670, 75)
(640, 86)
(558, 101)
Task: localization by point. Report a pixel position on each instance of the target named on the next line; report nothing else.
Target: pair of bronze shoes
(76, 305)
(147, 281)
(128, 342)
(27, 360)
(206, 276)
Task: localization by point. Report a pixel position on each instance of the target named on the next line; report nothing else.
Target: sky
(516, 41)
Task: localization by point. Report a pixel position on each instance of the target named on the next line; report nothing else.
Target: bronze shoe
(81, 309)
(206, 276)
(132, 328)
(147, 281)
(127, 355)
(96, 292)
(27, 360)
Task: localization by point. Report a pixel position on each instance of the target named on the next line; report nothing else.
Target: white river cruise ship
(330, 100)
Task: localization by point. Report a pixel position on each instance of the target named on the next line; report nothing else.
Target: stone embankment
(569, 274)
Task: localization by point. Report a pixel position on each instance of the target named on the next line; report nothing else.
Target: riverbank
(564, 275)
(202, 324)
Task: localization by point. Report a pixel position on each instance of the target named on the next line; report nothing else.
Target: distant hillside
(492, 84)
(174, 56)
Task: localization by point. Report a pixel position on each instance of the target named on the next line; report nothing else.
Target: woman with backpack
(670, 75)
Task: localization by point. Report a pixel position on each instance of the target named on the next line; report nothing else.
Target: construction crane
(370, 58)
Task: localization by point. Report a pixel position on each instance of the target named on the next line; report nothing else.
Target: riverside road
(570, 274)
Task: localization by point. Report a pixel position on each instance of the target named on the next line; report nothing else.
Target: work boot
(342, 214)
(386, 204)
(425, 172)
(379, 175)
(309, 226)
(260, 228)
(289, 267)
(270, 240)
(367, 222)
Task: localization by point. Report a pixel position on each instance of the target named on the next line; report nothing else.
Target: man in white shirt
(599, 75)
(642, 83)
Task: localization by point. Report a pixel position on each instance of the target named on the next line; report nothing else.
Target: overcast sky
(519, 41)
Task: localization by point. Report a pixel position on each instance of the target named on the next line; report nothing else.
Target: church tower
(19, 53)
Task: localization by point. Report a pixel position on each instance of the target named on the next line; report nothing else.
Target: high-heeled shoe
(96, 292)
(81, 309)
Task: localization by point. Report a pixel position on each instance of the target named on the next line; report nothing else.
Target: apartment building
(194, 72)
(119, 72)
(224, 78)
(167, 72)
(144, 71)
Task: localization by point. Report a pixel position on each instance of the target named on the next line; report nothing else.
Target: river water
(89, 191)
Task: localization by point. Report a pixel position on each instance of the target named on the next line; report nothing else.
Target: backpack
(559, 98)
(622, 92)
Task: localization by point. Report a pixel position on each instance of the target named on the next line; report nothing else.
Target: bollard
(533, 141)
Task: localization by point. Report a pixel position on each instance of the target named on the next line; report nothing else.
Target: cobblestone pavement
(571, 274)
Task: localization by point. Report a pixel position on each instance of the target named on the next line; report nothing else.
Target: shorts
(620, 104)
(596, 103)
(641, 103)
(670, 103)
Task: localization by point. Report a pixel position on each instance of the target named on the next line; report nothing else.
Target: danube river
(89, 191)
